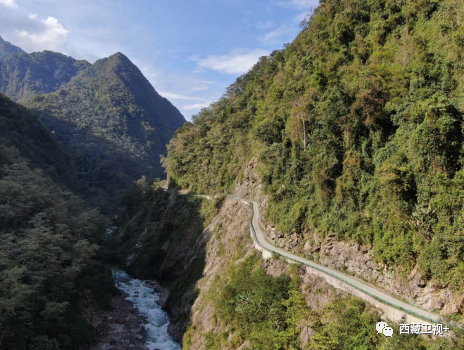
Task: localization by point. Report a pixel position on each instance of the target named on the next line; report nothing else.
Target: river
(145, 299)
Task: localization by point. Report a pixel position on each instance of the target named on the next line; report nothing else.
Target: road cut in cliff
(394, 309)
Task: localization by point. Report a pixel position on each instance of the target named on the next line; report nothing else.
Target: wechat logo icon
(382, 327)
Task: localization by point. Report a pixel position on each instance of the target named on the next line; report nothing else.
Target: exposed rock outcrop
(358, 260)
(231, 243)
(352, 258)
(250, 186)
(119, 329)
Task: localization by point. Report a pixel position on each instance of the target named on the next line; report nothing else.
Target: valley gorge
(62, 166)
(349, 139)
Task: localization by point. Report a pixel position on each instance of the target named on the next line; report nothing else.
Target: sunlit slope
(114, 124)
(23, 75)
(357, 125)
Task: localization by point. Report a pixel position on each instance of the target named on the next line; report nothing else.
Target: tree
(300, 111)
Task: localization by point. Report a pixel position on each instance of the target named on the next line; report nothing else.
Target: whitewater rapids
(145, 299)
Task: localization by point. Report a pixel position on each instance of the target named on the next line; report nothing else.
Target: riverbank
(136, 321)
(119, 329)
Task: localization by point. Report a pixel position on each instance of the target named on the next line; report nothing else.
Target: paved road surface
(365, 287)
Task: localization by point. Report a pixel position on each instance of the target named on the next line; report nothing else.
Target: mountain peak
(119, 70)
(7, 49)
(24, 75)
(118, 55)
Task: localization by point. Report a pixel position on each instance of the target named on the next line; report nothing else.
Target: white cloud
(299, 4)
(52, 37)
(277, 34)
(199, 87)
(172, 96)
(211, 82)
(28, 32)
(197, 106)
(238, 61)
(9, 3)
(264, 25)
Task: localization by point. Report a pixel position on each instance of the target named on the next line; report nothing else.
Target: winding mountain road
(259, 236)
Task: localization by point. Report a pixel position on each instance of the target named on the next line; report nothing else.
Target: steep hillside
(357, 128)
(52, 247)
(223, 295)
(114, 100)
(22, 129)
(164, 238)
(247, 303)
(7, 49)
(114, 124)
(24, 75)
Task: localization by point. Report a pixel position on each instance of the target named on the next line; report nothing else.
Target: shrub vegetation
(358, 128)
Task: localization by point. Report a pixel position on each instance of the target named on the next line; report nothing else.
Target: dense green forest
(24, 75)
(92, 130)
(21, 128)
(53, 249)
(270, 313)
(114, 125)
(357, 125)
(358, 129)
(111, 100)
(111, 121)
(7, 49)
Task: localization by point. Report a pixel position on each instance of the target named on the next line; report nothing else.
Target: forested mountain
(113, 123)
(24, 75)
(357, 126)
(21, 129)
(355, 130)
(101, 127)
(7, 49)
(108, 116)
(51, 245)
(113, 100)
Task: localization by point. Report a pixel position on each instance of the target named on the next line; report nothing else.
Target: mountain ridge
(357, 128)
(107, 115)
(23, 75)
(7, 49)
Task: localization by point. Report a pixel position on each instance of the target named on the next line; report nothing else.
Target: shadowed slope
(7, 49)
(24, 75)
(19, 127)
(114, 124)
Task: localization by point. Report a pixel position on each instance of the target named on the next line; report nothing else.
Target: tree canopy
(379, 86)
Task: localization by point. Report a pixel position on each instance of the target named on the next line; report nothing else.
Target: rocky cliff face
(226, 242)
(250, 186)
(355, 259)
(230, 244)
(165, 239)
(358, 260)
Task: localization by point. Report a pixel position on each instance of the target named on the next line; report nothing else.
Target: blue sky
(190, 50)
